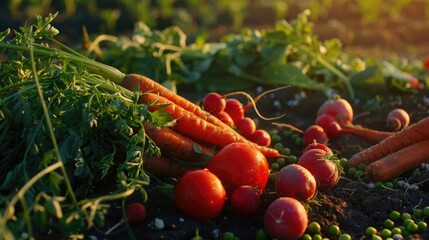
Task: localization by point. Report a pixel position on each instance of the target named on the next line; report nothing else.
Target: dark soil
(351, 204)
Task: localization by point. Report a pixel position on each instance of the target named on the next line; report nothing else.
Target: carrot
(415, 133)
(174, 144)
(398, 162)
(145, 85)
(370, 135)
(164, 167)
(194, 127)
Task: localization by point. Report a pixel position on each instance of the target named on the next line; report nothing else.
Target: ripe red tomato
(245, 200)
(234, 108)
(295, 181)
(238, 164)
(260, 137)
(323, 169)
(200, 194)
(286, 218)
(136, 213)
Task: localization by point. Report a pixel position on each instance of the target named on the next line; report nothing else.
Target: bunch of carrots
(396, 153)
(193, 138)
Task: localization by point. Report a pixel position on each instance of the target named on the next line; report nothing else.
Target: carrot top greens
(63, 129)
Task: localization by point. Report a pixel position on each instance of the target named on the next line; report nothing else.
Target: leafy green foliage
(96, 129)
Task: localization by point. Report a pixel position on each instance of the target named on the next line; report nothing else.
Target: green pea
(395, 215)
(313, 228)
(334, 230)
(369, 231)
(389, 224)
(422, 225)
(385, 233)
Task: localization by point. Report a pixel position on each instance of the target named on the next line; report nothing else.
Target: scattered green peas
(406, 216)
(422, 225)
(385, 233)
(388, 185)
(358, 174)
(285, 151)
(345, 236)
(426, 211)
(351, 172)
(418, 213)
(412, 227)
(313, 228)
(306, 237)
(278, 146)
(317, 237)
(275, 166)
(369, 231)
(261, 234)
(281, 161)
(292, 159)
(379, 185)
(389, 224)
(395, 215)
(276, 138)
(334, 230)
(396, 230)
(344, 162)
(408, 221)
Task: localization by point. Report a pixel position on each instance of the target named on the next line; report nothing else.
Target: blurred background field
(377, 27)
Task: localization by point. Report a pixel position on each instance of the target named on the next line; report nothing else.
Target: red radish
(260, 137)
(214, 103)
(234, 108)
(319, 163)
(239, 164)
(136, 213)
(339, 108)
(225, 118)
(286, 218)
(200, 194)
(245, 200)
(317, 145)
(314, 133)
(246, 126)
(398, 119)
(295, 181)
(329, 124)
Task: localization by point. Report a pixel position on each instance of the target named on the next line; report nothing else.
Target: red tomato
(200, 195)
(314, 133)
(323, 169)
(260, 137)
(245, 200)
(214, 103)
(246, 126)
(136, 213)
(234, 108)
(295, 181)
(238, 164)
(286, 218)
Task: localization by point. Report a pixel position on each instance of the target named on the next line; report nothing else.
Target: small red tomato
(246, 126)
(314, 133)
(286, 218)
(234, 108)
(225, 118)
(260, 137)
(295, 181)
(214, 103)
(245, 200)
(200, 195)
(323, 169)
(238, 164)
(136, 213)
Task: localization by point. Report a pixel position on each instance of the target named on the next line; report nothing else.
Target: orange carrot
(370, 135)
(413, 134)
(398, 162)
(164, 167)
(148, 85)
(176, 145)
(194, 127)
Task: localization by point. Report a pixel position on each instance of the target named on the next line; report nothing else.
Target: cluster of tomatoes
(232, 112)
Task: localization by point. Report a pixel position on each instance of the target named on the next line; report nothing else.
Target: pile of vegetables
(69, 124)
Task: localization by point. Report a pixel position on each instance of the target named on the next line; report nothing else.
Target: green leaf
(371, 76)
